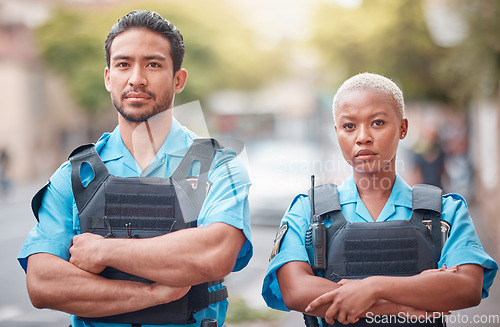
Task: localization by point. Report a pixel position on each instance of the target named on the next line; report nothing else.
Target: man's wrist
(103, 250)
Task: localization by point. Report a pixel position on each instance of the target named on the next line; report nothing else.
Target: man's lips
(137, 96)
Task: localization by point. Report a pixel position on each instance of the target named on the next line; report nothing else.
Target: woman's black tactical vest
(391, 248)
(143, 207)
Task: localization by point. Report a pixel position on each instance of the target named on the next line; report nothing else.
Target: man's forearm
(183, 258)
(57, 284)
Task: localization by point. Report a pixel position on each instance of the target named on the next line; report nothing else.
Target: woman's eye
(348, 126)
(378, 122)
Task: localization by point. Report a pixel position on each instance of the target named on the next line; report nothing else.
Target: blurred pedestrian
(141, 228)
(429, 157)
(373, 251)
(4, 181)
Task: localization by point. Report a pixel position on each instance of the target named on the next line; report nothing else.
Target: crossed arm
(174, 262)
(438, 290)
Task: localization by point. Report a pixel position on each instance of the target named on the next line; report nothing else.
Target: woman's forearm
(433, 291)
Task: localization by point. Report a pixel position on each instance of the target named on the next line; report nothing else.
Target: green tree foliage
(472, 68)
(220, 50)
(388, 37)
(71, 44)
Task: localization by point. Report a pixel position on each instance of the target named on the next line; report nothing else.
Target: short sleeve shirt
(462, 247)
(226, 201)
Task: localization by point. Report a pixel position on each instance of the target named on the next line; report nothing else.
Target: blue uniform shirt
(227, 201)
(462, 247)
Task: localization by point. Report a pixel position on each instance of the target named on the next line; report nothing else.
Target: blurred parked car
(279, 170)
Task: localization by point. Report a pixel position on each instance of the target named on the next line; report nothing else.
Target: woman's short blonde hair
(369, 81)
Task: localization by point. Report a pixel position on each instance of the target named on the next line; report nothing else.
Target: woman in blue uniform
(369, 121)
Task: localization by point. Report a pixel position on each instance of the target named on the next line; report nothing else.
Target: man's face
(140, 77)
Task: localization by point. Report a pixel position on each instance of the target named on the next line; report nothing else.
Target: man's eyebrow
(155, 57)
(152, 57)
(120, 57)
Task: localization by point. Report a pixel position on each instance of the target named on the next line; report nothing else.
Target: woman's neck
(374, 190)
(379, 183)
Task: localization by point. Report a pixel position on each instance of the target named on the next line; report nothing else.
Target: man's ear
(180, 78)
(106, 79)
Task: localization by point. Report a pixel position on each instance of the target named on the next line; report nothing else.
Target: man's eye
(154, 64)
(121, 64)
(378, 122)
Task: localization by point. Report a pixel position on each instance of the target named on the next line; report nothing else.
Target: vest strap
(36, 202)
(427, 203)
(202, 151)
(326, 198)
(327, 205)
(86, 153)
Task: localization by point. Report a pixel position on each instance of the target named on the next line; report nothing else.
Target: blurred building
(40, 122)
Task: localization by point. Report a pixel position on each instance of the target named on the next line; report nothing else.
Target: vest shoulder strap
(326, 198)
(202, 152)
(86, 153)
(36, 202)
(427, 205)
(327, 205)
(427, 197)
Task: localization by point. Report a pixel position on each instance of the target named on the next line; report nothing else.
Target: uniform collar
(401, 196)
(111, 147)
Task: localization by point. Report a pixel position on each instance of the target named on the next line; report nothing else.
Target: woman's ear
(403, 129)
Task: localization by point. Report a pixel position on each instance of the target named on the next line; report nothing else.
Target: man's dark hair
(151, 21)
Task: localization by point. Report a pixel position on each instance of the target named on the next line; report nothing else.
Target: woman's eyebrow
(380, 113)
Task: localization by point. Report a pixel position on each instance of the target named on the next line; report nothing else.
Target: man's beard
(139, 116)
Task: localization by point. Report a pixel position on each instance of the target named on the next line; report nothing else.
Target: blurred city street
(16, 310)
(262, 77)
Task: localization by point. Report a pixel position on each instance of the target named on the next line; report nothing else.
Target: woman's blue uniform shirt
(226, 202)
(462, 247)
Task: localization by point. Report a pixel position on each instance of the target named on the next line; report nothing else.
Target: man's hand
(348, 302)
(166, 294)
(85, 252)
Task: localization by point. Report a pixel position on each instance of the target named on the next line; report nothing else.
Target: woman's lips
(365, 154)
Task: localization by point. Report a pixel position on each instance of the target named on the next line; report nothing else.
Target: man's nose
(137, 77)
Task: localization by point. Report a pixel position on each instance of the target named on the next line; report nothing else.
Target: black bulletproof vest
(143, 207)
(392, 248)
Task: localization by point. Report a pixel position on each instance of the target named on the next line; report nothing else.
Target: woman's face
(369, 128)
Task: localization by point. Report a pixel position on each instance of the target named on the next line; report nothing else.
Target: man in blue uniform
(369, 121)
(144, 55)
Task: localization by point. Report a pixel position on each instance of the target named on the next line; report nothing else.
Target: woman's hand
(347, 303)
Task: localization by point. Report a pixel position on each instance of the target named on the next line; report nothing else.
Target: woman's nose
(364, 136)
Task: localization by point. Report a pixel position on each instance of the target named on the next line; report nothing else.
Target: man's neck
(144, 139)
